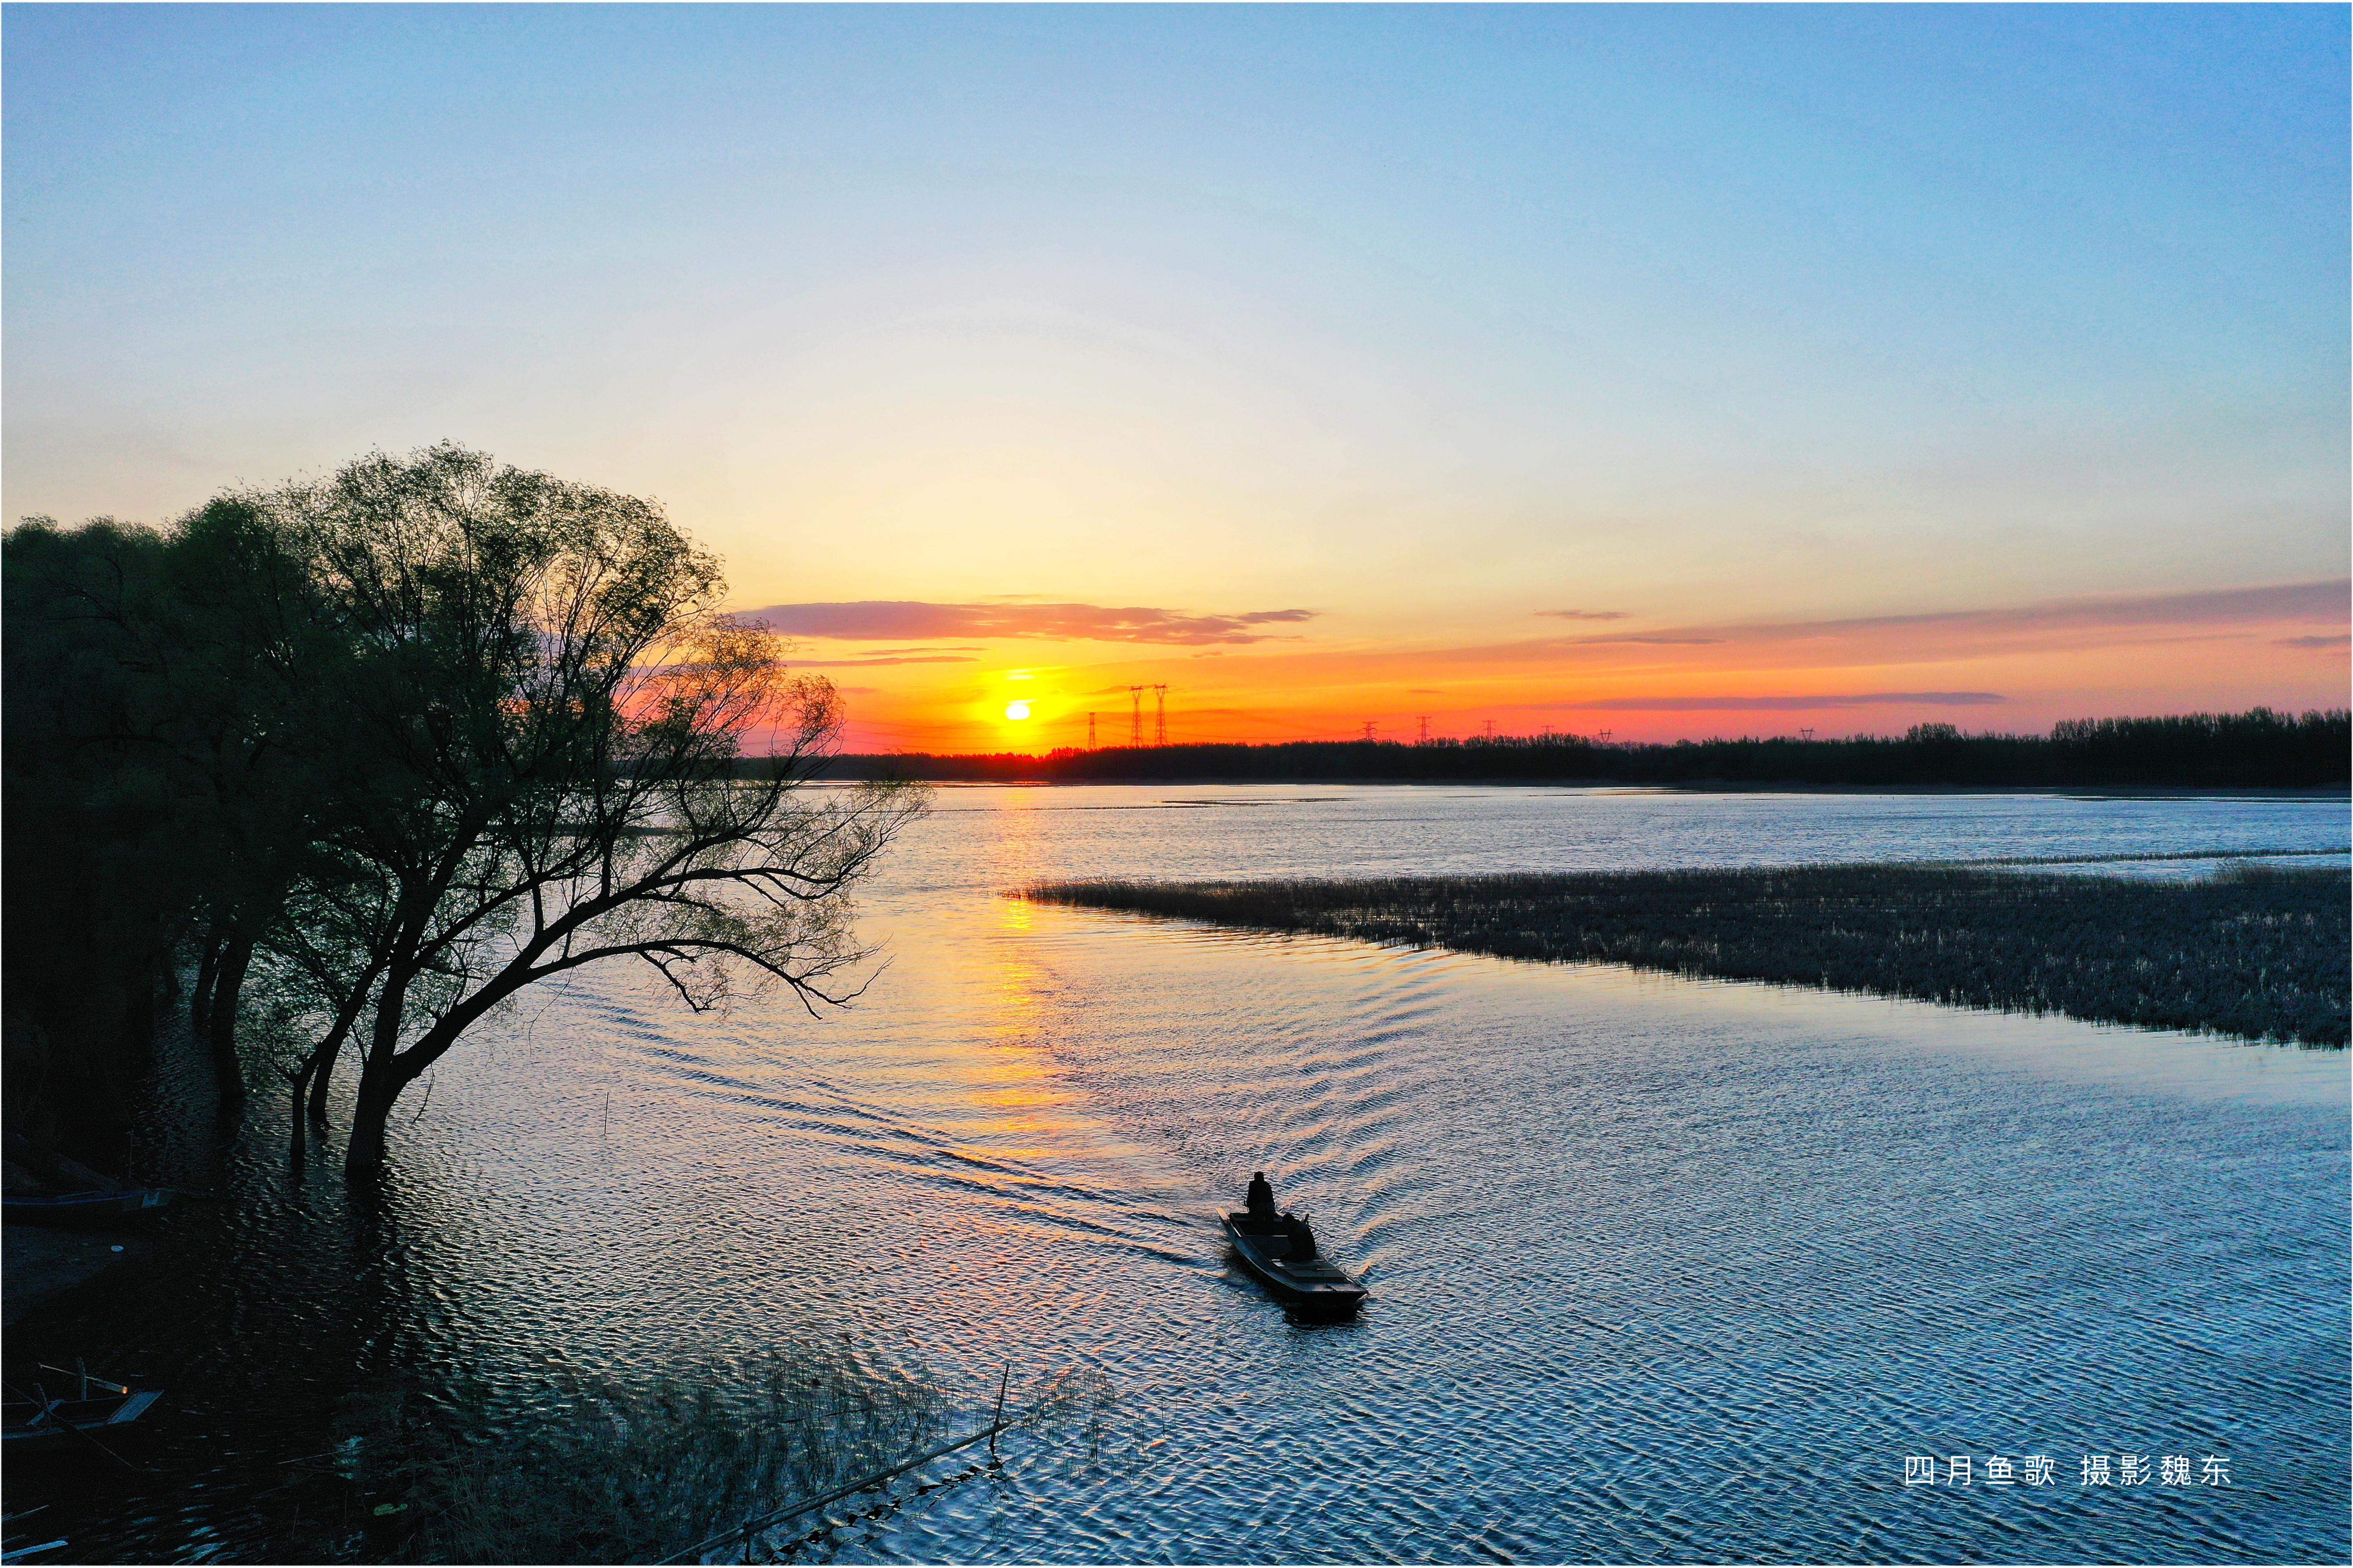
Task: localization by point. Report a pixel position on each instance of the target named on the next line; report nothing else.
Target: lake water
(1661, 1269)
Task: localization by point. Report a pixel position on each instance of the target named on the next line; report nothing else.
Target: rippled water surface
(1661, 1269)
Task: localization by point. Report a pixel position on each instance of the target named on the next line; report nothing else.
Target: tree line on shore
(343, 765)
(2257, 749)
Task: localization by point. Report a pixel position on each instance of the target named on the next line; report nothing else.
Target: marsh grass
(611, 1471)
(2259, 952)
(632, 1472)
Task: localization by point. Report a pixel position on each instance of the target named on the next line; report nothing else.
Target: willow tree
(551, 725)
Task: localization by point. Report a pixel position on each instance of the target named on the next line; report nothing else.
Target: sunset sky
(1673, 371)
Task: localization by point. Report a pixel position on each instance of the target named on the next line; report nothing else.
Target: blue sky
(1424, 318)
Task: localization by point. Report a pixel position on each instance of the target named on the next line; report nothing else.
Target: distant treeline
(2257, 952)
(2257, 749)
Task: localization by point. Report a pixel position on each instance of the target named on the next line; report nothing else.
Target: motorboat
(1312, 1287)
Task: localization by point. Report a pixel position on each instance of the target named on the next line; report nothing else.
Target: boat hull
(1320, 1289)
(28, 1423)
(100, 1209)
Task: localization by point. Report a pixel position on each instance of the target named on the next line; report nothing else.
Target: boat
(98, 1206)
(1311, 1287)
(75, 1194)
(94, 1404)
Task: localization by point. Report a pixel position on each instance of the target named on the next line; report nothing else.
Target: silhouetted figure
(1302, 1239)
(1261, 1196)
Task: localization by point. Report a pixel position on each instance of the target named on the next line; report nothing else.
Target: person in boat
(1302, 1239)
(1261, 1196)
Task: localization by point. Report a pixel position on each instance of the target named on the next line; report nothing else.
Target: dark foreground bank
(2263, 954)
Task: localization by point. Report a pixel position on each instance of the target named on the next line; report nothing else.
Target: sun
(1016, 711)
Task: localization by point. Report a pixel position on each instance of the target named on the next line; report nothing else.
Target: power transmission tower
(1489, 726)
(1369, 729)
(1091, 732)
(1136, 715)
(1160, 715)
(1806, 734)
(1606, 735)
(1422, 719)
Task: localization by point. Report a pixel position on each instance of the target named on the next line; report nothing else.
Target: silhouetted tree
(100, 873)
(394, 746)
(553, 712)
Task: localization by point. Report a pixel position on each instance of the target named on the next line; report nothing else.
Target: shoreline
(828, 775)
(40, 1263)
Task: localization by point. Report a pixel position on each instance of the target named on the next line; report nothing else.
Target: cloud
(1584, 615)
(2340, 640)
(871, 663)
(2138, 618)
(1784, 704)
(915, 620)
(1653, 641)
(2317, 601)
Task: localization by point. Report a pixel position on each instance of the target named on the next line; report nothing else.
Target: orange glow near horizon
(2008, 670)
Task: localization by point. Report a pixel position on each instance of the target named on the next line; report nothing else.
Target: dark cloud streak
(1651, 641)
(2317, 601)
(915, 620)
(1784, 704)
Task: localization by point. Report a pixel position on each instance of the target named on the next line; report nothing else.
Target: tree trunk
(228, 981)
(322, 1072)
(200, 1000)
(294, 1123)
(321, 1068)
(383, 1075)
(364, 1155)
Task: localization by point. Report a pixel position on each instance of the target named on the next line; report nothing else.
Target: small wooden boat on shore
(72, 1193)
(94, 1404)
(1312, 1287)
(96, 1206)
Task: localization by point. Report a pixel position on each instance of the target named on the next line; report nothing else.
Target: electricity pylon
(1136, 715)
(1160, 715)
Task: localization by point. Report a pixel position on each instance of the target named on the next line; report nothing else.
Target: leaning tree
(558, 752)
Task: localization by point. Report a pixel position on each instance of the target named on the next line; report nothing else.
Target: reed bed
(620, 1472)
(2258, 952)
